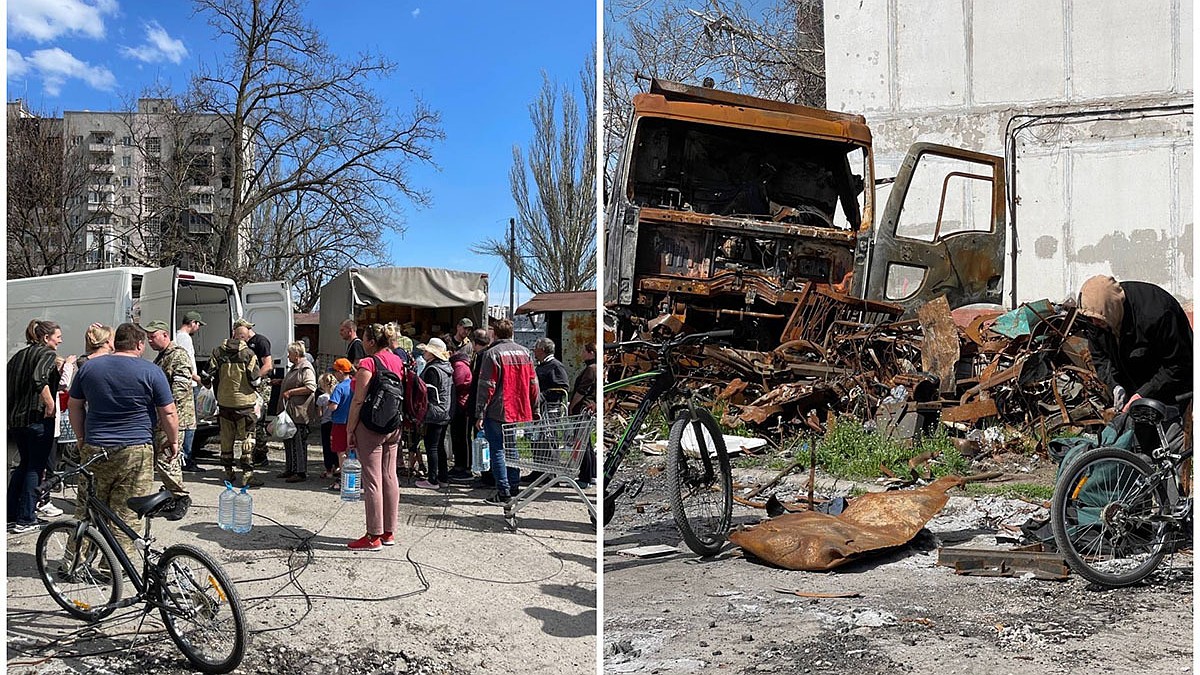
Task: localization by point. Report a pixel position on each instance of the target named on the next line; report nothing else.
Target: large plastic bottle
(481, 459)
(225, 507)
(243, 511)
(351, 478)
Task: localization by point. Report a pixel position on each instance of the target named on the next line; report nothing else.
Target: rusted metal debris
(1012, 562)
(817, 542)
(851, 357)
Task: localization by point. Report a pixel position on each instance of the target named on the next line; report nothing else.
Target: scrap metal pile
(1028, 369)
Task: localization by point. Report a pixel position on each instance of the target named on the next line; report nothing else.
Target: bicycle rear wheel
(698, 476)
(1108, 517)
(201, 609)
(82, 576)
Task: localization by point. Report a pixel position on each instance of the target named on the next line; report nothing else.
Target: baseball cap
(156, 325)
(343, 365)
(193, 316)
(242, 322)
(467, 322)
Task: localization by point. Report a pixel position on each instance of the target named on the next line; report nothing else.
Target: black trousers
(460, 439)
(435, 452)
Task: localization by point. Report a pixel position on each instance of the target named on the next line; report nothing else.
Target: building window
(126, 161)
(126, 200)
(126, 141)
(154, 143)
(76, 140)
(125, 181)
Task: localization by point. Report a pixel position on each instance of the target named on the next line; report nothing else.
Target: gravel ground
(680, 614)
(457, 594)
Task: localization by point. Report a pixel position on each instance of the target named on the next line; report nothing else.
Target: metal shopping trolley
(554, 446)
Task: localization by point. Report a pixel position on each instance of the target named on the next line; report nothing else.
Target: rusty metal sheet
(940, 346)
(970, 412)
(993, 562)
(818, 542)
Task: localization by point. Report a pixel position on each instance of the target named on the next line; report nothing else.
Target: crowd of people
(143, 415)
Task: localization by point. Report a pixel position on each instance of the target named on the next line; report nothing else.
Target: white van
(142, 294)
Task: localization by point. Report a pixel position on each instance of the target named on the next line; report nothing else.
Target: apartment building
(144, 187)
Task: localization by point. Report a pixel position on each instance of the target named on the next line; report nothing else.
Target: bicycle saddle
(149, 505)
(1150, 411)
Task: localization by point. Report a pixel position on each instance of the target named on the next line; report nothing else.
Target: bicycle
(1116, 513)
(78, 561)
(700, 483)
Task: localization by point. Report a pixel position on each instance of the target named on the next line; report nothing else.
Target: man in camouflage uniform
(176, 364)
(114, 404)
(235, 373)
(261, 346)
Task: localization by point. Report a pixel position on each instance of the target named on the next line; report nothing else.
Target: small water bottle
(481, 459)
(225, 507)
(351, 478)
(243, 511)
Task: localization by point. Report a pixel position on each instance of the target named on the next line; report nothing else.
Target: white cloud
(17, 67)
(159, 46)
(56, 66)
(45, 20)
(416, 12)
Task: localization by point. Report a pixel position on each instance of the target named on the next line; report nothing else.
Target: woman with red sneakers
(377, 452)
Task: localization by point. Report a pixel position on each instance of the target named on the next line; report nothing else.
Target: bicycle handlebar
(54, 479)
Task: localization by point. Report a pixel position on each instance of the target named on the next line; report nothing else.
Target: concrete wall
(1105, 193)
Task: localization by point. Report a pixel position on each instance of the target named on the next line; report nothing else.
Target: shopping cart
(554, 446)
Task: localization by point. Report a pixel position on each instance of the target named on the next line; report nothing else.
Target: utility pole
(512, 264)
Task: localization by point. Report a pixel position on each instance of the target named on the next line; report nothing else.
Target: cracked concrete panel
(1120, 214)
(1041, 223)
(930, 54)
(856, 48)
(1121, 48)
(1017, 51)
(1183, 253)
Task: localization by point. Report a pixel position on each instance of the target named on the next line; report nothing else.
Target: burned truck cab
(729, 210)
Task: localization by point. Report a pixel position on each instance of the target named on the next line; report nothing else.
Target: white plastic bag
(206, 403)
(282, 427)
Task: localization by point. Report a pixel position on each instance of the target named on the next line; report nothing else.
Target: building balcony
(102, 168)
(102, 148)
(202, 149)
(100, 207)
(108, 188)
(201, 189)
(201, 208)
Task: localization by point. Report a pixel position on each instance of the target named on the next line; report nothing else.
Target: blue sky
(478, 63)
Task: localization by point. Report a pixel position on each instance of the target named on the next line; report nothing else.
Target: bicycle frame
(662, 382)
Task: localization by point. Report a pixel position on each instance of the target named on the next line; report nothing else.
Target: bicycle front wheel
(201, 609)
(81, 573)
(698, 477)
(1108, 517)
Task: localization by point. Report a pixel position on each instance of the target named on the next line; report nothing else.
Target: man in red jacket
(507, 391)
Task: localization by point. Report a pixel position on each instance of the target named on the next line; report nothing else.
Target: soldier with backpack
(235, 373)
(373, 431)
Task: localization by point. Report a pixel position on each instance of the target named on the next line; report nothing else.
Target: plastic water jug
(481, 458)
(225, 507)
(351, 478)
(243, 511)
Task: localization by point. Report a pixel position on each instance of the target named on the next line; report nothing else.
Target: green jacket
(235, 374)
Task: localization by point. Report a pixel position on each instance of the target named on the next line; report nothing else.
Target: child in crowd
(339, 409)
(325, 385)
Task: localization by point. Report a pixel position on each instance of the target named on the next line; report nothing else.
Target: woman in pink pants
(377, 452)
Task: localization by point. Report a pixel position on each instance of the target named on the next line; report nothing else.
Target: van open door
(268, 305)
(942, 232)
(156, 301)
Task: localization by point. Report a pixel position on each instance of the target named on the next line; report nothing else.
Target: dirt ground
(681, 614)
(457, 594)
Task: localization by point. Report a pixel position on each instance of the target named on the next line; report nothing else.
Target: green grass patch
(1032, 492)
(851, 451)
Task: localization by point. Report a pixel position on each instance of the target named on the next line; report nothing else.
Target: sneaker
(286, 474)
(296, 478)
(365, 543)
(427, 485)
(498, 499)
(49, 510)
(253, 482)
(336, 487)
(387, 539)
(460, 474)
(260, 461)
(22, 528)
(192, 467)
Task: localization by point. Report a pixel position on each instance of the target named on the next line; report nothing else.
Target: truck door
(268, 305)
(156, 301)
(942, 232)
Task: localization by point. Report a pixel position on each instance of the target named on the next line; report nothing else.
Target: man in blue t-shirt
(115, 404)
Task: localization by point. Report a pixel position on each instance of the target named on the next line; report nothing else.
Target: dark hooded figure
(1141, 340)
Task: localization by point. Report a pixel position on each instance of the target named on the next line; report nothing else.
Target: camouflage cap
(155, 326)
(242, 322)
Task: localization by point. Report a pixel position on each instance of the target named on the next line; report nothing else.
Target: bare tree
(311, 140)
(556, 214)
(45, 182)
(775, 51)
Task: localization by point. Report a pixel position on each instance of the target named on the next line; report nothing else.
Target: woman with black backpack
(373, 431)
